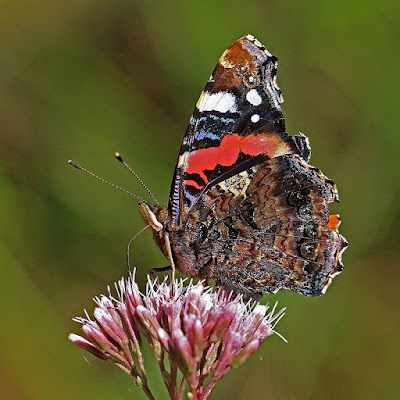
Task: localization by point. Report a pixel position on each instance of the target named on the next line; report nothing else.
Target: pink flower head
(201, 332)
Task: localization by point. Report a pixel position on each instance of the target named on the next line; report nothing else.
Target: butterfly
(245, 208)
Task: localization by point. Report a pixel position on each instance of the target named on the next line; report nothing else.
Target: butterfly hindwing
(266, 228)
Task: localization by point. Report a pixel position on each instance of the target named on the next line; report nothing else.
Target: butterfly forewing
(238, 116)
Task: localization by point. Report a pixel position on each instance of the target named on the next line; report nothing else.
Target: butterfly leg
(171, 260)
(155, 270)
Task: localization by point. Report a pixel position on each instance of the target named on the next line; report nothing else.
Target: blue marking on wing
(209, 135)
(211, 127)
(190, 198)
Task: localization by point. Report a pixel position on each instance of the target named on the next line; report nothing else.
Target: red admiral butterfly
(246, 209)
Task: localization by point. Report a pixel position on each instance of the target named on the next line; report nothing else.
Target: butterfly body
(246, 209)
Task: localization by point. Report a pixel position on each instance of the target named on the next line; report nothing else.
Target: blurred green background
(82, 79)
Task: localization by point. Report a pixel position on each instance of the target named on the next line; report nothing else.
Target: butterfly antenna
(128, 261)
(121, 160)
(77, 166)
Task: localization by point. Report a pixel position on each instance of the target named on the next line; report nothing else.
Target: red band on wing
(193, 183)
(228, 151)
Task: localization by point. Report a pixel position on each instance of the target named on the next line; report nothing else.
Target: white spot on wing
(253, 97)
(220, 101)
(255, 118)
(257, 43)
(181, 159)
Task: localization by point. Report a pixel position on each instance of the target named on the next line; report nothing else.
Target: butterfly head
(155, 216)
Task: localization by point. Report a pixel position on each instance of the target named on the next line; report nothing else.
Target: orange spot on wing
(252, 145)
(334, 222)
(270, 144)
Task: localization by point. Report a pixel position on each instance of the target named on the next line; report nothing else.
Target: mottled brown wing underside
(266, 229)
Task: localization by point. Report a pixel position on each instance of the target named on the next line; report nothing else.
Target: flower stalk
(197, 334)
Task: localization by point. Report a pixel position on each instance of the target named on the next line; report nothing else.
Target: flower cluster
(192, 329)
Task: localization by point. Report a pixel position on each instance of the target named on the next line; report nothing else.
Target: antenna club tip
(118, 156)
(74, 164)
